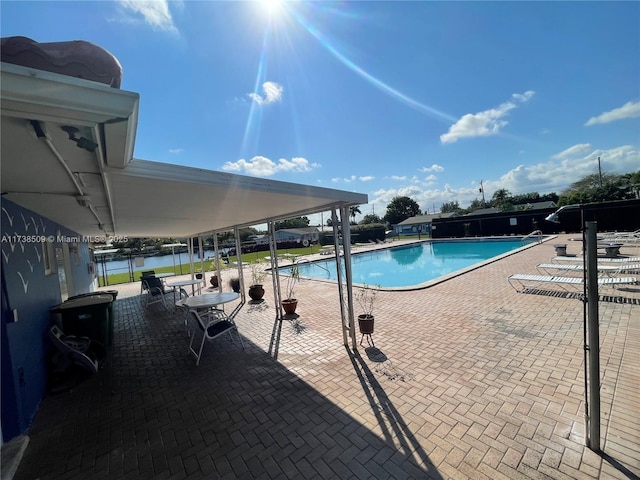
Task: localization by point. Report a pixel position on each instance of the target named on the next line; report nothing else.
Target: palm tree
(501, 199)
(353, 211)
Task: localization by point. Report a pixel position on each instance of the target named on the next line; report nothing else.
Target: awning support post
(216, 253)
(346, 246)
(236, 233)
(275, 274)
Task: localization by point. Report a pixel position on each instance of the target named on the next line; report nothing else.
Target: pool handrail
(530, 235)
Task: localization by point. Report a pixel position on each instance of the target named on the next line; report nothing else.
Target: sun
(272, 7)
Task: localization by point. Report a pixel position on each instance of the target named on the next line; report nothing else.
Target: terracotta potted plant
(290, 303)
(256, 289)
(366, 298)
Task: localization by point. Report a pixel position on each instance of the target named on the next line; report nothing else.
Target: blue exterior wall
(30, 293)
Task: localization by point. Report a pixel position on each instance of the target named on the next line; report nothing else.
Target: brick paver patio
(469, 379)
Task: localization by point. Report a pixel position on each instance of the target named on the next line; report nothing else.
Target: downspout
(40, 133)
(98, 133)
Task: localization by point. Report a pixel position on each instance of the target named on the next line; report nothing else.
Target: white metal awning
(106, 191)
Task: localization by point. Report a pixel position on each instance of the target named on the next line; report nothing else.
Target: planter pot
(234, 283)
(290, 305)
(256, 292)
(365, 323)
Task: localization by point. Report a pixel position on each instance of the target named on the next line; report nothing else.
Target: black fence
(622, 215)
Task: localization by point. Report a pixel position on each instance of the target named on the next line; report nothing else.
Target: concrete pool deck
(469, 379)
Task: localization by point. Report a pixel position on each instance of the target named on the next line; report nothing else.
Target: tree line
(592, 188)
(589, 189)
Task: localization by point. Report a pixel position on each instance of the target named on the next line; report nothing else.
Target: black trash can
(87, 316)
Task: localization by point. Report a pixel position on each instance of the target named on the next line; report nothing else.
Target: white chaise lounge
(610, 268)
(600, 259)
(521, 282)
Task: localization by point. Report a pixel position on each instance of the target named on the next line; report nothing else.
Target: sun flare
(272, 7)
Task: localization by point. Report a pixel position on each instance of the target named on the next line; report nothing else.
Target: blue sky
(423, 99)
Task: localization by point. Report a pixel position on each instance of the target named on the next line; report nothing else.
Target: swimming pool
(415, 265)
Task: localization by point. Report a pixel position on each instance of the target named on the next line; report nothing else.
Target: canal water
(138, 263)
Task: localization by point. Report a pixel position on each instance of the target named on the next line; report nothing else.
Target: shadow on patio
(151, 413)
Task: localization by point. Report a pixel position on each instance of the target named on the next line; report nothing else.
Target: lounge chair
(522, 282)
(623, 237)
(600, 259)
(608, 268)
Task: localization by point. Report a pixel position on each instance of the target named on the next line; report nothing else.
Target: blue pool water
(414, 264)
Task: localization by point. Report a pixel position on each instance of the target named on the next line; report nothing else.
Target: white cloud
(430, 179)
(154, 12)
(264, 167)
(628, 110)
(352, 178)
(272, 94)
(388, 194)
(563, 169)
(175, 150)
(432, 168)
(488, 122)
(576, 150)
(553, 175)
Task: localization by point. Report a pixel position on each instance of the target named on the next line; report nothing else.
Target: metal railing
(537, 233)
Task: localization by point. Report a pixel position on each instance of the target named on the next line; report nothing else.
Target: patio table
(184, 283)
(208, 300)
(164, 275)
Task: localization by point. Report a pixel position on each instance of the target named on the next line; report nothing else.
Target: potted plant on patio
(366, 298)
(258, 274)
(234, 283)
(214, 280)
(290, 303)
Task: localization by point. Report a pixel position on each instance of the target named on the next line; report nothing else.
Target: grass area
(209, 265)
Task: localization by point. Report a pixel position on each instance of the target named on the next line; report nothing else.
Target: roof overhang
(32, 94)
(106, 190)
(162, 200)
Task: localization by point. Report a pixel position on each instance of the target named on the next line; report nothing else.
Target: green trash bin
(87, 316)
(114, 294)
